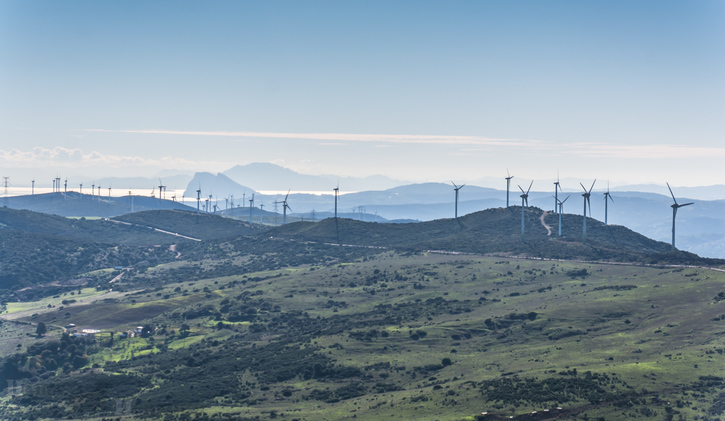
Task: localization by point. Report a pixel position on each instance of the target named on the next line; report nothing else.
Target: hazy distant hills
(218, 186)
(84, 205)
(700, 228)
(266, 176)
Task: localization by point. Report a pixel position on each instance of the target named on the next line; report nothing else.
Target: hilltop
(498, 231)
(84, 205)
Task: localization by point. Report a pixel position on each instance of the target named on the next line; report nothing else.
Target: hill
(202, 226)
(84, 205)
(266, 176)
(499, 231)
(374, 335)
(219, 186)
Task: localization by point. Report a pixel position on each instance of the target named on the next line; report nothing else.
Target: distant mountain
(266, 176)
(120, 183)
(714, 192)
(219, 186)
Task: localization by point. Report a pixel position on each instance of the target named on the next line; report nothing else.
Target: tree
(41, 329)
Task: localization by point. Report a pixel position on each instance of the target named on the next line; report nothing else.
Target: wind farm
(315, 207)
(242, 211)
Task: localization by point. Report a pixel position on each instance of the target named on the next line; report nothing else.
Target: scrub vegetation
(256, 327)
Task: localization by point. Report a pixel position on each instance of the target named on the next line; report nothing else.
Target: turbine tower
(32, 187)
(557, 187)
(508, 183)
(561, 210)
(607, 198)
(198, 201)
(586, 195)
(337, 193)
(524, 205)
(456, 188)
(337, 226)
(251, 206)
(675, 206)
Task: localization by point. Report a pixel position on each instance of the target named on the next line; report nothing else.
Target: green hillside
(447, 320)
(422, 336)
(499, 231)
(202, 226)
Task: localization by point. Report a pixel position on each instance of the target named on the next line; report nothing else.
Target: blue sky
(631, 91)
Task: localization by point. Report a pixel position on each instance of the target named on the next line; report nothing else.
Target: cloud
(348, 137)
(655, 151)
(65, 157)
(470, 144)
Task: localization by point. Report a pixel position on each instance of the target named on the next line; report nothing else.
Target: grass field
(434, 337)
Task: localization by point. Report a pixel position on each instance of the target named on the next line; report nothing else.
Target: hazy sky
(418, 90)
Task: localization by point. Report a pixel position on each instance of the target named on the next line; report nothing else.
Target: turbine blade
(522, 190)
(585, 189)
(687, 204)
(529, 189)
(565, 200)
(673, 195)
(590, 189)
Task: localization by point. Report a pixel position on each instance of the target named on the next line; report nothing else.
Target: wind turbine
(561, 210)
(337, 193)
(524, 205)
(337, 226)
(586, 195)
(508, 183)
(109, 195)
(251, 206)
(607, 198)
(456, 188)
(198, 201)
(65, 189)
(557, 187)
(32, 187)
(161, 188)
(285, 206)
(675, 206)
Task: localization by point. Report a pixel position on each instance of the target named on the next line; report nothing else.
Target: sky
(416, 90)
